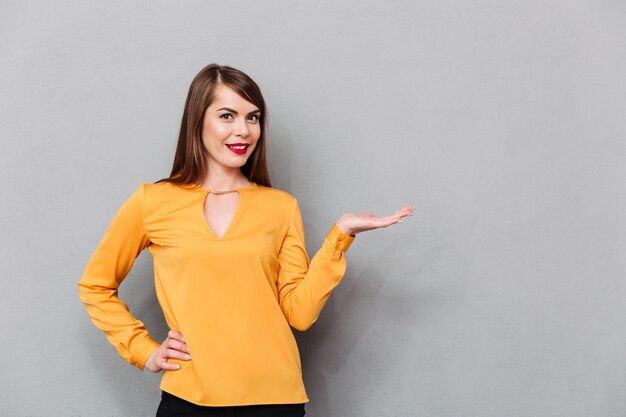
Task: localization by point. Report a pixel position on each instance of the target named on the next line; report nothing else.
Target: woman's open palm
(352, 224)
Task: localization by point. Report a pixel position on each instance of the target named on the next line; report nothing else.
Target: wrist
(345, 229)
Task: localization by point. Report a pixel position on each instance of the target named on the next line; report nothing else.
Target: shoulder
(274, 203)
(278, 197)
(164, 196)
(160, 187)
(160, 190)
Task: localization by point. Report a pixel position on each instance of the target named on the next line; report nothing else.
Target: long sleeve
(122, 243)
(304, 287)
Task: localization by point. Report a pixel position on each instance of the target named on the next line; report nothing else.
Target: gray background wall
(502, 121)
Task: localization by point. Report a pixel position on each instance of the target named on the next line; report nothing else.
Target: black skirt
(171, 406)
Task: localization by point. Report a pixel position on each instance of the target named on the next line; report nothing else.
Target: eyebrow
(235, 111)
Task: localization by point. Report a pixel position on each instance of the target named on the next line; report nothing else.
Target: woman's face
(230, 130)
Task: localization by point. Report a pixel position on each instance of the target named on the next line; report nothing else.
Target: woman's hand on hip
(351, 224)
(173, 347)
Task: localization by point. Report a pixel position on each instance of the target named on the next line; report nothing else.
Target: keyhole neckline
(208, 190)
(234, 220)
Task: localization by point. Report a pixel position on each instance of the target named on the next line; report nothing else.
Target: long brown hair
(190, 160)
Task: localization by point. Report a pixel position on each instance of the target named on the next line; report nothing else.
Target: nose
(242, 127)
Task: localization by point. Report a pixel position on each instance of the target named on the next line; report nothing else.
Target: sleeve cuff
(339, 240)
(143, 352)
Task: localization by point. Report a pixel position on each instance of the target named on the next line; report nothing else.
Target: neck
(225, 181)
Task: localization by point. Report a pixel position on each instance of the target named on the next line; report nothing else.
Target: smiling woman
(232, 273)
(230, 129)
(224, 107)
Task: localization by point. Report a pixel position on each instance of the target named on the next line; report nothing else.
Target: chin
(236, 165)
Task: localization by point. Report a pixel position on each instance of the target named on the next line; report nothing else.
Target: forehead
(227, 97)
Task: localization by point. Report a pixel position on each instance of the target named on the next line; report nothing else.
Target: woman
(231, 270)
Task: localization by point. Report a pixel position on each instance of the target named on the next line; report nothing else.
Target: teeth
(237, 147)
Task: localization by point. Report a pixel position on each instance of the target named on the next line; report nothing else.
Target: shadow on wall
(368, 302)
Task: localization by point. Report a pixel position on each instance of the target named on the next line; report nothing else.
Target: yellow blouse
(233, 298)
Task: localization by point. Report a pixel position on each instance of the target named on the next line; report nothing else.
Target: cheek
(213, 135)
(256, 132)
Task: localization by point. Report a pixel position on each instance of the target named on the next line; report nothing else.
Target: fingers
(164, 364)
(177, 354)
(158, 360)
(176, 345)
(397, 216)
(173, 334)
(405, 211)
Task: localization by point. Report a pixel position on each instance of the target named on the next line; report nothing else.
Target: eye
(225, 116)
(254, 117)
